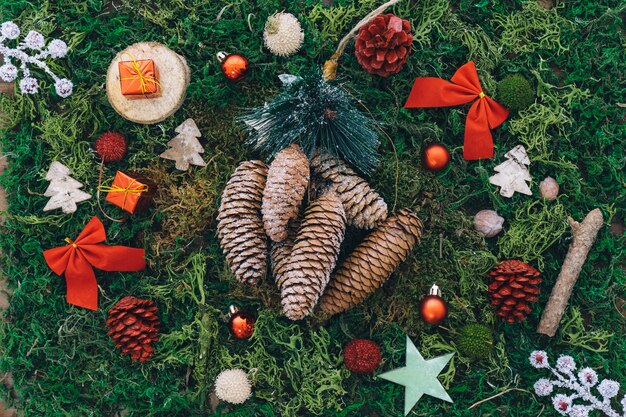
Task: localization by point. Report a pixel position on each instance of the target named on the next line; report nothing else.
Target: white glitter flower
(565, 363)
(624, 403)
(34, 40)
(588, 377)
(562, 403)
(29, 85)
(579, 411)
(8, 72)
(283, 34)
(64, 87)
(233, 386)
(10, 30)
(539, 359)
(608, 388)
(57, 48)
(543, 387)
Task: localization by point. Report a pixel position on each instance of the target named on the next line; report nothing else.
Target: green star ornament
(419, 376)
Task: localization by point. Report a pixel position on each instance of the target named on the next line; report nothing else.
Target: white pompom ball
(283, 34)
(29, 85)
(34, 40)
(488, 222)
(233, 386)
(10, 30)
(549, 188)
(64, 87)
(8, 73)
(57, 48)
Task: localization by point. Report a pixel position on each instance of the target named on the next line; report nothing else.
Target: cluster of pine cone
(261, 224)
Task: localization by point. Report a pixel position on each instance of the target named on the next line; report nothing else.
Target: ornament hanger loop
(434, 290)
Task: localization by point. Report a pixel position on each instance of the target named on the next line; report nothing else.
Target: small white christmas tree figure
(35, 44)
(63, 189)
(185, 148)
(579, 384)
(512, 174)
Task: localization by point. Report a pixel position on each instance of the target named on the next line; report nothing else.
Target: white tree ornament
(512, 174)
(185, 148)
(581, 401)
(31, 51)
(64, 190)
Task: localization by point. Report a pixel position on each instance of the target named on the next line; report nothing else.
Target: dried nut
(488, 222)
(549, 188)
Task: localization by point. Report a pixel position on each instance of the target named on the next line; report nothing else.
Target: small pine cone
(365, 209)
(313, 256)
(514, 287)
(133, 327)
(372, 262)
(281, 251)
(240, 227)
(287, 179)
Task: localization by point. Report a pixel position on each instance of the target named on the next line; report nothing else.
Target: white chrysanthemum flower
(57, 48)
(8, 73)
(562, 404)
(233, 386)
(565, 364)
(29, 85)
(283, 34)
(588, 377)
(64, 87)
(579, 411)
(608, 388)
(543, 387)
(539, 359)
(34, 40)
(10, 30)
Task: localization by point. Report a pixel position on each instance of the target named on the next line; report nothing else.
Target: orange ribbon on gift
(78, 258)
(485, 114)
(141, 72)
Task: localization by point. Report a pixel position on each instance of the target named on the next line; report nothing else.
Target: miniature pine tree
(512, 174)
(185, 148)
(64, 190)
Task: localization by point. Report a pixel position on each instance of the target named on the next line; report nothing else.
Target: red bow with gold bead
(78, 258)
(464, 87)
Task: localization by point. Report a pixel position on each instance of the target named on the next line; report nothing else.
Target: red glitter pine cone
(111, 146)
(133, 326)
(383, 46)
(362, 356)
(514, 286)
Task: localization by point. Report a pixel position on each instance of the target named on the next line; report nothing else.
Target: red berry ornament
(433, 308)
(361, 356)
(111, 146)
(241, 323)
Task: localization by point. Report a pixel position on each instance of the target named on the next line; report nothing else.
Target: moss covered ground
(61, 358)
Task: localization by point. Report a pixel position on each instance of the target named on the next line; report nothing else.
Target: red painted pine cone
(133, 327)
(383, 46)
(514, 286)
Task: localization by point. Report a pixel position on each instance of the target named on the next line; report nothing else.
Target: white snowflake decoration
(33, 41)
(580, 384)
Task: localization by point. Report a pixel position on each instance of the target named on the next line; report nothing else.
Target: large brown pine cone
(281, 251)
(383, 46)
(313, 256)
(287, 180)
(514, 287)
(365, 209)
(240, 227)
(372, 262)
(133, 327)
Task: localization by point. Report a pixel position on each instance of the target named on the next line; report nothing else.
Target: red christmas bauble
(433, 308)
(361, 356)
(435, 157)
(241, 324)
(234, 66)
(111, 146)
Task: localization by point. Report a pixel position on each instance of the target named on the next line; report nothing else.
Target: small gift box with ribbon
(139, 78)
(130, 192)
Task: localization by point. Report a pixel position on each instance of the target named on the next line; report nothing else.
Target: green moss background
(63, 362)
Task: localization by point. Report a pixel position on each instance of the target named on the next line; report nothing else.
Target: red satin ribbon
(464, 87)
(78, 258)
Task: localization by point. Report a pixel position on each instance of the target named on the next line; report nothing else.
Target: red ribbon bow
(464, 87)
(78, 258)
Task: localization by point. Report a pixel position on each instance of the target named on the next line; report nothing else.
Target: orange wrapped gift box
(139, 78)
(130, 192)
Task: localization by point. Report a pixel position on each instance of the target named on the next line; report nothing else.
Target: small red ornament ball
(111, 146)
(361, 356)
(433, 309)
(234, 66)
(241, 324)
(435, 157)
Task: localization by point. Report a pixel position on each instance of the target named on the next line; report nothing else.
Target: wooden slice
(174, 77)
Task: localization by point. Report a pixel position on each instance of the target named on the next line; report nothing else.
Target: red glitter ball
(111, 146)
(361, 356)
